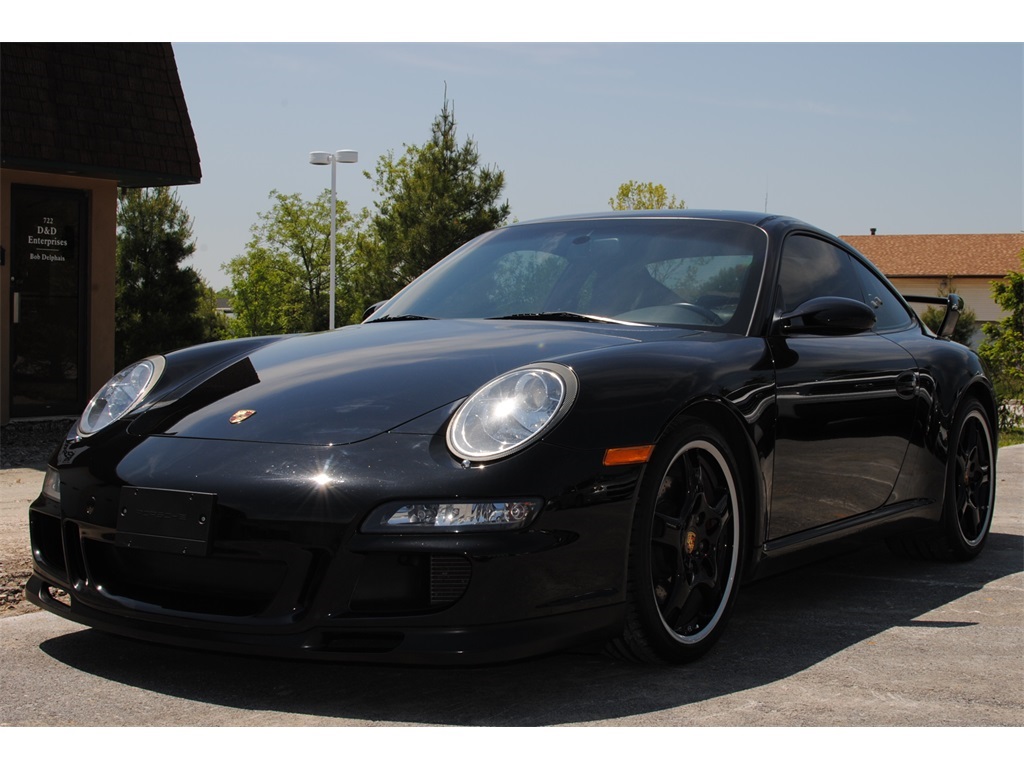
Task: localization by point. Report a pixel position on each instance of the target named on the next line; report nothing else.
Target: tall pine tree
(432, 199)
(161, 305)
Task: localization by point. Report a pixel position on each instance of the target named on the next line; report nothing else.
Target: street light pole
(327, 158)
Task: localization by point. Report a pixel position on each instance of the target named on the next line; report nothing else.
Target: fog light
(51, 484)
(451, 517)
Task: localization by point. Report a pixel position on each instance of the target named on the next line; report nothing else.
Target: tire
(685, 548)
(970, 482)
(969, 498)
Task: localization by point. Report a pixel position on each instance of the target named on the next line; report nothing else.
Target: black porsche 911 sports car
(592, 428)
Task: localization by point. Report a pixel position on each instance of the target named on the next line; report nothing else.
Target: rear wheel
(684, 562)
(970, 482)
(970, 492)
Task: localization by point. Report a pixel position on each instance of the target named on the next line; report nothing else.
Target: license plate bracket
(162, 520)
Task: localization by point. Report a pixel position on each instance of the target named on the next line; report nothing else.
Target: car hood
(348, 385)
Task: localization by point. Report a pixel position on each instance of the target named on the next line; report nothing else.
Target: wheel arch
(646, 638)
(750, 476)
(978, 389)
(982, 391)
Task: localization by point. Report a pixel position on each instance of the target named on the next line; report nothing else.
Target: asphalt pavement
(866, 639)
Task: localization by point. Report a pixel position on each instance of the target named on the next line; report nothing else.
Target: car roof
(773, 223)
(746, 217)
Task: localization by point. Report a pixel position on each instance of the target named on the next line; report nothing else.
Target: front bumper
(288, 573)
(374, 644)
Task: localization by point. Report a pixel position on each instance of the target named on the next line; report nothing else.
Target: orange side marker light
(634, 454)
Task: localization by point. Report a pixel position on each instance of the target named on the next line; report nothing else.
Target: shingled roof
(990, 256)
(105, 110)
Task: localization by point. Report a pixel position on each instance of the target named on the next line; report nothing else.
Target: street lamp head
(346, 156)
(320, 158)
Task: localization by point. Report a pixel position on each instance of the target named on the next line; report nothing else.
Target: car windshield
(685, 272)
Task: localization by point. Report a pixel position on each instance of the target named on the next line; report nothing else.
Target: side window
(891, 314)
(811, 268)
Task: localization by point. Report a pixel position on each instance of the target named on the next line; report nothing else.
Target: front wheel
(687, 538)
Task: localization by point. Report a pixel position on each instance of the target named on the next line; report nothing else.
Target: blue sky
(907, 138)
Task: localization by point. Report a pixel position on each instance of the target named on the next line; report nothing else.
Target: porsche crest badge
(239, 416)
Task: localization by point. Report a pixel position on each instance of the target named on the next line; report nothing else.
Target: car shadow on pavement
(781, 626)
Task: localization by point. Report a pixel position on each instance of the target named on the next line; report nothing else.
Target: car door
(845, 402)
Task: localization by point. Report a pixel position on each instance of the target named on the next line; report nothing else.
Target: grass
(1011, 437)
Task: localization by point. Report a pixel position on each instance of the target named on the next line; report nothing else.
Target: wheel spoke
(695, 613)
(677, 595)
(667, 531)
(970, 518)
(719, 518)
(677, 498)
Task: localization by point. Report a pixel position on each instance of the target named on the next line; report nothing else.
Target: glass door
(48, 273)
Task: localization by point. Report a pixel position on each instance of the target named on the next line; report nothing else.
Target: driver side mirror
(827, 316)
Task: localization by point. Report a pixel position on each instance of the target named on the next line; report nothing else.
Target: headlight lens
(511, 411)
(119, 395)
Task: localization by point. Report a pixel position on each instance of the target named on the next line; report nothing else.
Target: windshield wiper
(575, 317)
(394, 318)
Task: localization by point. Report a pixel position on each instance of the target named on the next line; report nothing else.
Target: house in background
(224, 307)
(77, 121)
(934, 265)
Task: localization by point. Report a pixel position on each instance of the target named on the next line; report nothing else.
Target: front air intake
(449, 578)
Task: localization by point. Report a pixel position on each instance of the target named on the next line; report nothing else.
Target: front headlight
(510, 412)
(119, 395)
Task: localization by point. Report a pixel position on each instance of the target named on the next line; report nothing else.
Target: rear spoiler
(954, 306)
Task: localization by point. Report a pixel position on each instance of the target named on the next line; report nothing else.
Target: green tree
(265, 293)
(643, 196)
(431, 199)
(1003, 349)
(160, 305)
(215, 324)
(281, 284)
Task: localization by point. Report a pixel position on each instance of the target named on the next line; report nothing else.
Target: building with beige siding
(934, 265)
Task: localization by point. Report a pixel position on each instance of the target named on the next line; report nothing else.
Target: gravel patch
(25, 447)
(18, 487)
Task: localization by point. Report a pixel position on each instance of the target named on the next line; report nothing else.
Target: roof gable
(106, 110)
(990, 256)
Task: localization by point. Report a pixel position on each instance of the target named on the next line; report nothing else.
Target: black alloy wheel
(684, 564)
(970, 489)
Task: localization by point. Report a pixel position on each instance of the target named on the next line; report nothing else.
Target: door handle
(906, 384)
(16, 306)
